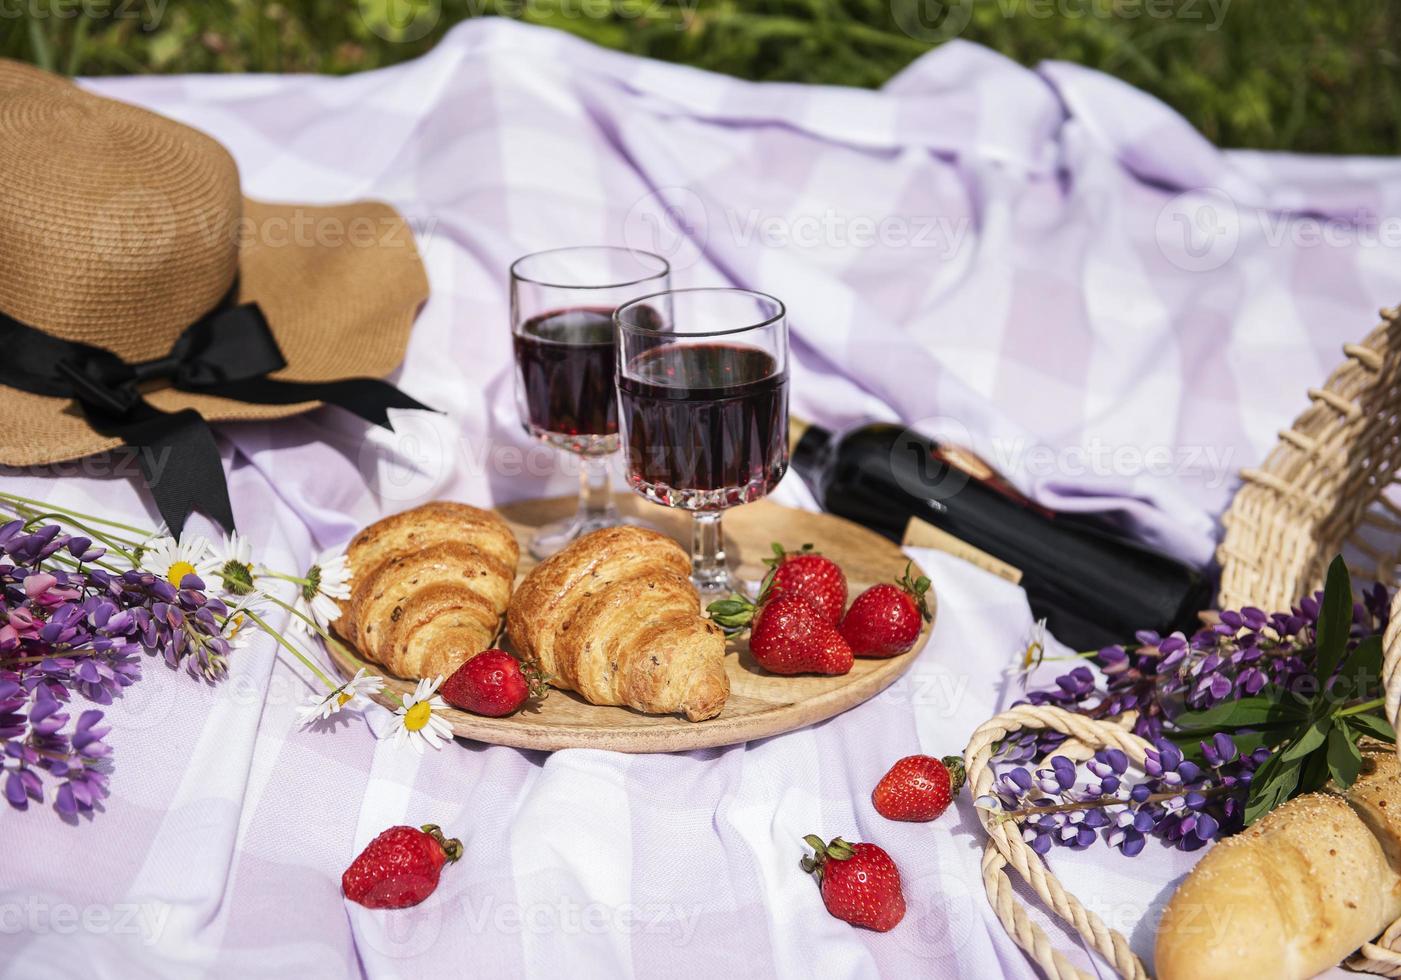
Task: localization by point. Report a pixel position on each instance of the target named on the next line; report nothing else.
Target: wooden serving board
(760, 703)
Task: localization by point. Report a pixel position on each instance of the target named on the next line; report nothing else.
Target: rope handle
(1006, 847)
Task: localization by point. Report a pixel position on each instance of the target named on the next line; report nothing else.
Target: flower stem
(1103, 801)
(1361, 709)
(285, 577)
(31, 517)
(1082, 655)
(314, 625)
(330, 640)
(77, 565)
(29, 502)
(262, 624)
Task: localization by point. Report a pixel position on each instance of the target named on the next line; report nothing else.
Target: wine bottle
(1093, 586)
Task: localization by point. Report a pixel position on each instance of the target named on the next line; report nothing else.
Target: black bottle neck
(807, 448)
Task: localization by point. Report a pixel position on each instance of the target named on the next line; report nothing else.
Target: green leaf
(1247, 740)
(1334, 621)
(1373, 725)
(1310, 739)
(1363, 670)
(727, 607)
(1313, 773)
(1262, 709)
(1273, 783)
(731, 615)
(1344, 757)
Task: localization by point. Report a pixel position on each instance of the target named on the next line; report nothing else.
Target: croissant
(614, 617)
(428, 587)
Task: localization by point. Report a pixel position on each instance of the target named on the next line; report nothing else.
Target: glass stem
(708, 569)
(595, 491)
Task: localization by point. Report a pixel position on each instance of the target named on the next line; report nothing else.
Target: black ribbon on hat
(229, 353)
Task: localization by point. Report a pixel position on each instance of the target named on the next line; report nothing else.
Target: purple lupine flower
(1158, 678)
(1181, 801)
(1174, 799)
(69, 631)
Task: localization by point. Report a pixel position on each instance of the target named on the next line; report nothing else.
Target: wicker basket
(1321, 492)
(1322, 486)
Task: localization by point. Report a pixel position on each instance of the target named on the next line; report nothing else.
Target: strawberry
(811, 575)
(860, 883)
(493, 683)
(787, 635)
(399, 868)
(886, 619)
(918, 787)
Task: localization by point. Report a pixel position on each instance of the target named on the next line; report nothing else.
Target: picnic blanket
(1046, 263)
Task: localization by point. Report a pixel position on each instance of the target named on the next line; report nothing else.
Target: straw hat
(120, 229)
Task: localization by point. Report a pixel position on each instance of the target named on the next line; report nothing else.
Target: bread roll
(1294, 894)
(428, 587)
(614, 617)
(1376, 799)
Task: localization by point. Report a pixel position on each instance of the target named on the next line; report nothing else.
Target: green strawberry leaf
(918, 589)
(780, 553)
(731, 615)
(840, 850)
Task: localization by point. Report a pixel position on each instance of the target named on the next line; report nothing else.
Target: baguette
(1297, 892)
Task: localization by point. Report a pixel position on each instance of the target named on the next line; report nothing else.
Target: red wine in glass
(562, 335)
(703, 409)
(566, 360)
(706, 424)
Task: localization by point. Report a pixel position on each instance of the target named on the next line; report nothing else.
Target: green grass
(1309, 75)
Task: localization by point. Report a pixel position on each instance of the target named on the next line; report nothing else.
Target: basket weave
(1318, 494)
(1322, 486)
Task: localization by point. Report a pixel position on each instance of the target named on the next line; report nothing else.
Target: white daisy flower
(1030, 657)
(172, 560)
(233, 562)
(417, 724)
(239, 626)
(354, 693)
(326, 581)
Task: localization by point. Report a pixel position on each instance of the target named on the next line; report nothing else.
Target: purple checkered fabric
(1046, 264)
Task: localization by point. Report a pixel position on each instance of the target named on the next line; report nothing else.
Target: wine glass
(703, 408)
(562, 304)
